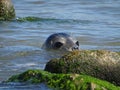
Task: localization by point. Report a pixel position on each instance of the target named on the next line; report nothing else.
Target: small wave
(38, 19)
(26, 64)
(22, 86)
(30, 19)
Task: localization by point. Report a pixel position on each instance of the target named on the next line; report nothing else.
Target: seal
(62, 42)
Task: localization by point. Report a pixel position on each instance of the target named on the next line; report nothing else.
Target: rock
(63, 81)
(7, 11)
(101, 64)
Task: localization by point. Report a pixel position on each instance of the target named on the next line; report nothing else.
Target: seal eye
(77, 43)
(58, 45)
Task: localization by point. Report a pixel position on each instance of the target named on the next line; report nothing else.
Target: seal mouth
(70, 49)
(75, 48)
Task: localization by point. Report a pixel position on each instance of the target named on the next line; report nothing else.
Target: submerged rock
(97, 63)
(63, 81)
(7, 10)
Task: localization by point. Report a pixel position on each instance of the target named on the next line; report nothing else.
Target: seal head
(62, 42)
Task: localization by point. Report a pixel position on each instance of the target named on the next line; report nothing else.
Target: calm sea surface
(95, 23)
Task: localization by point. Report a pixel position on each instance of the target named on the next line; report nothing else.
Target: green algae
(34, 19)
(97, 63)
(30, 19)
(32, 76)
(50, 20)
(63, 81)
(7, 11)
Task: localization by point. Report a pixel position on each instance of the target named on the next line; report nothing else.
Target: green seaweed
(63, 81)
(30, 19)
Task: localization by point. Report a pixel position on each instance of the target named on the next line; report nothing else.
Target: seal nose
(75, 48)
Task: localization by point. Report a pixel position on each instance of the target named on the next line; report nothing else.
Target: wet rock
(7, 11)
(62, 81)
(101, 64)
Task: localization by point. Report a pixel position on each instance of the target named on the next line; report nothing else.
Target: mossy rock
(101, 64)
(7, 11)
(63, 81)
